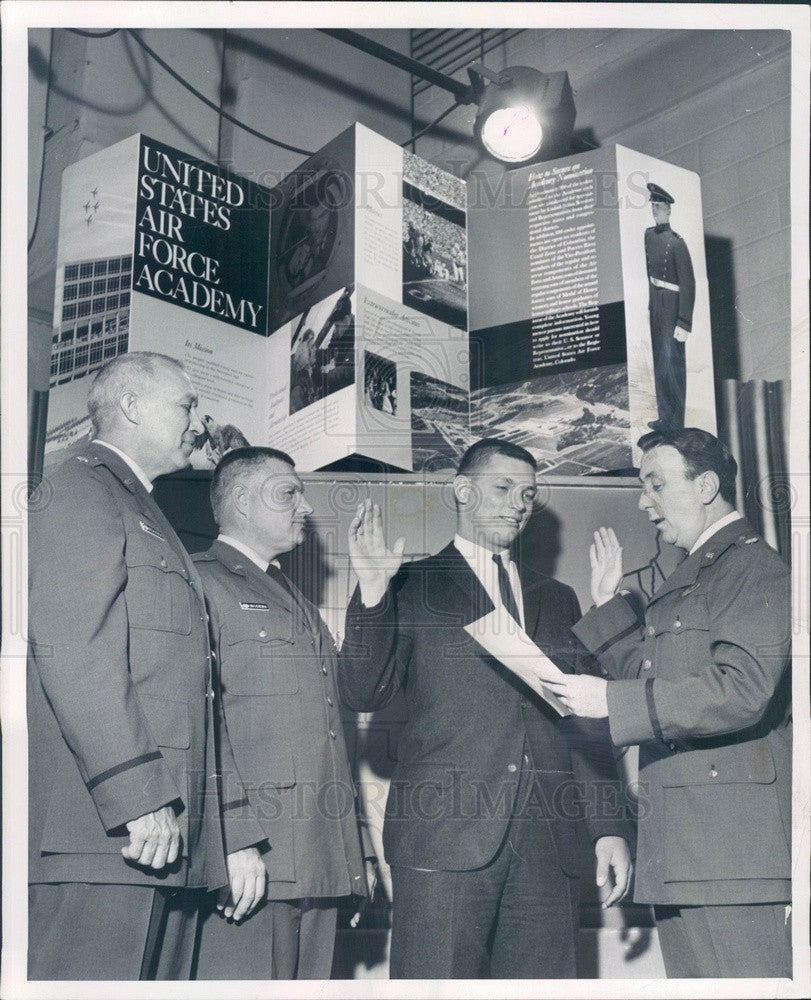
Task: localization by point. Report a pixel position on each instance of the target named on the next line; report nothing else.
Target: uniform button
(677, 623)
(330, 702)
(208, 618)
(163, 562)
(651, 630)
(210, 695)
(647, 665)
(512, 768)
(324, 671)
(263, 633)
(672, 746)
(332, 735)
(713, 773)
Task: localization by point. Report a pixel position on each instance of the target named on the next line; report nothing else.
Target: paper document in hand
(514, 648)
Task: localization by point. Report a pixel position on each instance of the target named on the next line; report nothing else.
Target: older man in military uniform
(672, 290)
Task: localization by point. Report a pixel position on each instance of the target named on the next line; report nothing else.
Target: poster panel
(548, 353)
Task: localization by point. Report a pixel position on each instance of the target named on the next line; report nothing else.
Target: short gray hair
(128, 371)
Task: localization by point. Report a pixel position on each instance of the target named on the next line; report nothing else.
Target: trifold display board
(374, 306)
(561, 349)
(327, 316)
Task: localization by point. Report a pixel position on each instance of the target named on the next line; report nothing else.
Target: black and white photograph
(322, 351)
(405, 490)
(440, 422)
(575, 423)
(379, 383)
(434, 242)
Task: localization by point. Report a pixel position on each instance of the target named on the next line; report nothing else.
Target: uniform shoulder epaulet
(202, 557)
(677, 235)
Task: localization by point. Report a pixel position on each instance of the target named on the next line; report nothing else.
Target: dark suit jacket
(703, 687)
(277, 668)
(460, 753)
(118, 712)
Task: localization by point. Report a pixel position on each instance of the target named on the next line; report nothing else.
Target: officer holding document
(487, 794)
(702, 685)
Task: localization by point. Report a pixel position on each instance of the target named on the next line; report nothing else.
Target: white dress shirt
(481, 562)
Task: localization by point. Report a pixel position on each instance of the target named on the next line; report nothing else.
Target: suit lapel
(465, 595)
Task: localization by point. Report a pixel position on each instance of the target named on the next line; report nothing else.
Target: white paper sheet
(514, 648)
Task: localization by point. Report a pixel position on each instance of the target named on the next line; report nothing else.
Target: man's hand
(247, 877)
(613, 856)
(373, 563)
(680, 334)
(370, 865)
(605, 556)
(154, 839)
(585, 695)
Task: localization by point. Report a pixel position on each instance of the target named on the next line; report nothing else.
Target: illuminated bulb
(512, 134)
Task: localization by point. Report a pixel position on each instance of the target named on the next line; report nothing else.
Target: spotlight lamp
(524, 116)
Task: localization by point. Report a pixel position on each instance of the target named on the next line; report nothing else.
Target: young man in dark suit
(702, 684)
(277, 669)
(124, 818)
(486, 796)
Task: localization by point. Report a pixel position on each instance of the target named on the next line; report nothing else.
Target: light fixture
(524, 116)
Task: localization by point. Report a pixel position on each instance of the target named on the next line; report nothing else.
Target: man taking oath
(487, 794)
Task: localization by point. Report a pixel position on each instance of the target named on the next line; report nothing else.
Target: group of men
(192, 808)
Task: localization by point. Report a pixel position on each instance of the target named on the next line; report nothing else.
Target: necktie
(276, 574)
(505, 588)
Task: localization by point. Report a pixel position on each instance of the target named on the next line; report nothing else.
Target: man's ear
(128, 404)
(462, 490)
(239, 498)
(708, 486)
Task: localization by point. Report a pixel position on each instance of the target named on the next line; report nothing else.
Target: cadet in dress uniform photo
(672, 292)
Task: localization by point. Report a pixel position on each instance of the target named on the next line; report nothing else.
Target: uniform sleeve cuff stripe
(236, 804)
(616, 638)
(145, 758)
(654, 715)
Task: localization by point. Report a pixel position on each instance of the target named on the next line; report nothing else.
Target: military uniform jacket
(470, 720)
(119, 684)
(704, 687)
(668, 259)
(276, 662)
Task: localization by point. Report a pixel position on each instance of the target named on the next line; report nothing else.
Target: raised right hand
(373, 562)
(154, 839)
(605, 556)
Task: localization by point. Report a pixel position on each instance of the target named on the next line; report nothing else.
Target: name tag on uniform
(251, 606)
(151, 531)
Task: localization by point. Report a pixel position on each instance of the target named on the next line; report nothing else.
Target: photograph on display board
(322, 351)
(574, 423)
(434, 242)
(440, 423)
(667, 313)
(312, 231)
(380, 383)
